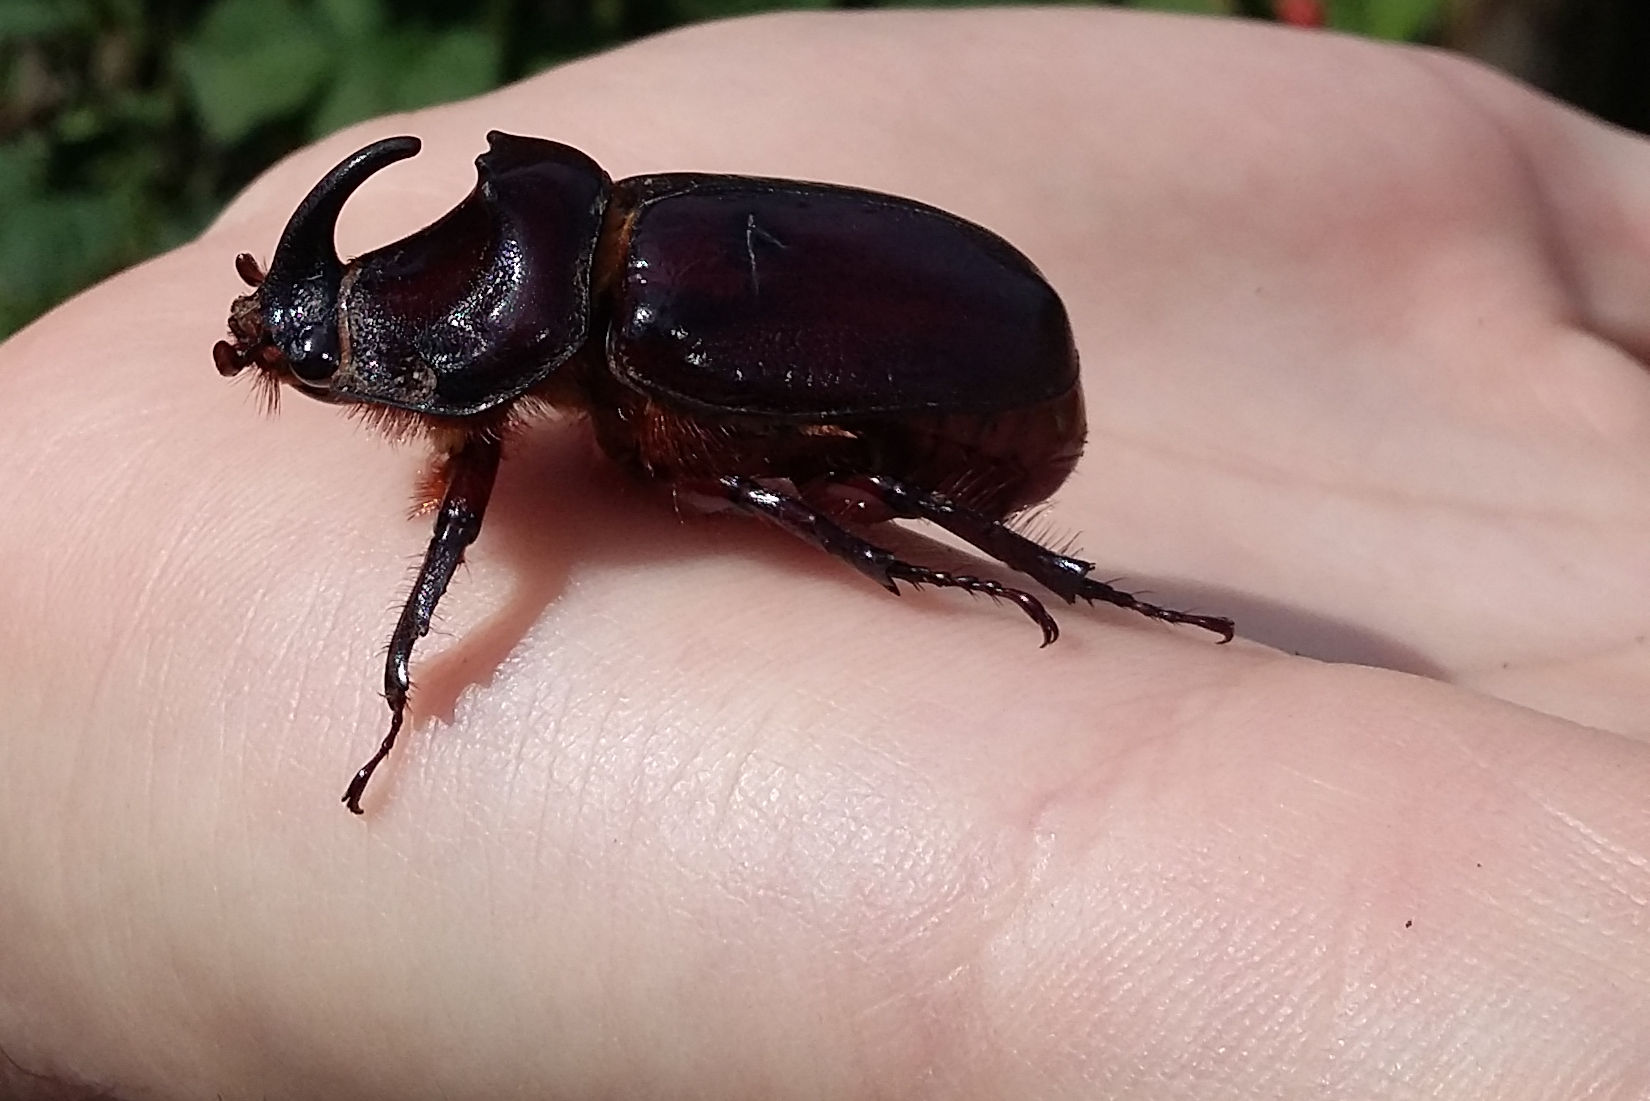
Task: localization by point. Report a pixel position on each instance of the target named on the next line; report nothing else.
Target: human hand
(702, 813)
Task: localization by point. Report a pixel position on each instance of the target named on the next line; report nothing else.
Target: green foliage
(125, 124)
(52, 239)
(1403, 20)
(253, 63)
(694, 11)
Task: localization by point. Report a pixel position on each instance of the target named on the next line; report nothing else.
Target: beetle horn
(306, 252)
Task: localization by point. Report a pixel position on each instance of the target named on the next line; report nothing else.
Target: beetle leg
(470, 473)
(1058, 572)
(880, 565)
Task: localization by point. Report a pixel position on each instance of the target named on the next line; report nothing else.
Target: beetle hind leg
(1059, 573)
(879, 564)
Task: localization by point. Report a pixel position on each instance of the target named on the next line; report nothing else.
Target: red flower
(1300, 13)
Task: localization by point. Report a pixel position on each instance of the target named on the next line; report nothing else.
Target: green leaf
(143, 108)
(55, 244)
(81, 122)
(454, 65)
(38, 18)
(1403, 19)
(251, 62)
(357, 92)
(1400, 20)
(407, 70)
(22, 171)
(356, 19)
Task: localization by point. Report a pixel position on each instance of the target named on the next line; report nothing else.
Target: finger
(1594, 181)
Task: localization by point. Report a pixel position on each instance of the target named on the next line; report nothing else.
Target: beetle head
(456, 319)
(288, 327)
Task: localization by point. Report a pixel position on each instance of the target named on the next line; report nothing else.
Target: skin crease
(690, 810)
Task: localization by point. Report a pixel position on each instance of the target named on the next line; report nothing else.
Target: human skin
(688, 809)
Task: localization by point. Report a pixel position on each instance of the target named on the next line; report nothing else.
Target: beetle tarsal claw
(358, 784)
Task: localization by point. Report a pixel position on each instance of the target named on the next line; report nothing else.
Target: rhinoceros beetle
(822, 357)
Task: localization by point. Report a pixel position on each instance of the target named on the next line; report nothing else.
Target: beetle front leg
(471, 469)
(1057, 572)
(879, 564)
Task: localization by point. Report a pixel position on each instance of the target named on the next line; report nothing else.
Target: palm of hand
(1359, 332)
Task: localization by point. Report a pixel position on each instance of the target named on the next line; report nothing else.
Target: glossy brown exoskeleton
(820, 356)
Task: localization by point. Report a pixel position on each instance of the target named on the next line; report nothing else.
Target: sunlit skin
(686, 809)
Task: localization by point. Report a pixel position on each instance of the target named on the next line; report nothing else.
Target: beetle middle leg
(471, 470)
(1057, 572)
(879, 564)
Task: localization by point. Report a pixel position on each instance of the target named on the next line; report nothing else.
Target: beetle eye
(313, 360)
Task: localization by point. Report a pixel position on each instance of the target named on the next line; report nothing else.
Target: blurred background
(126, 124)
